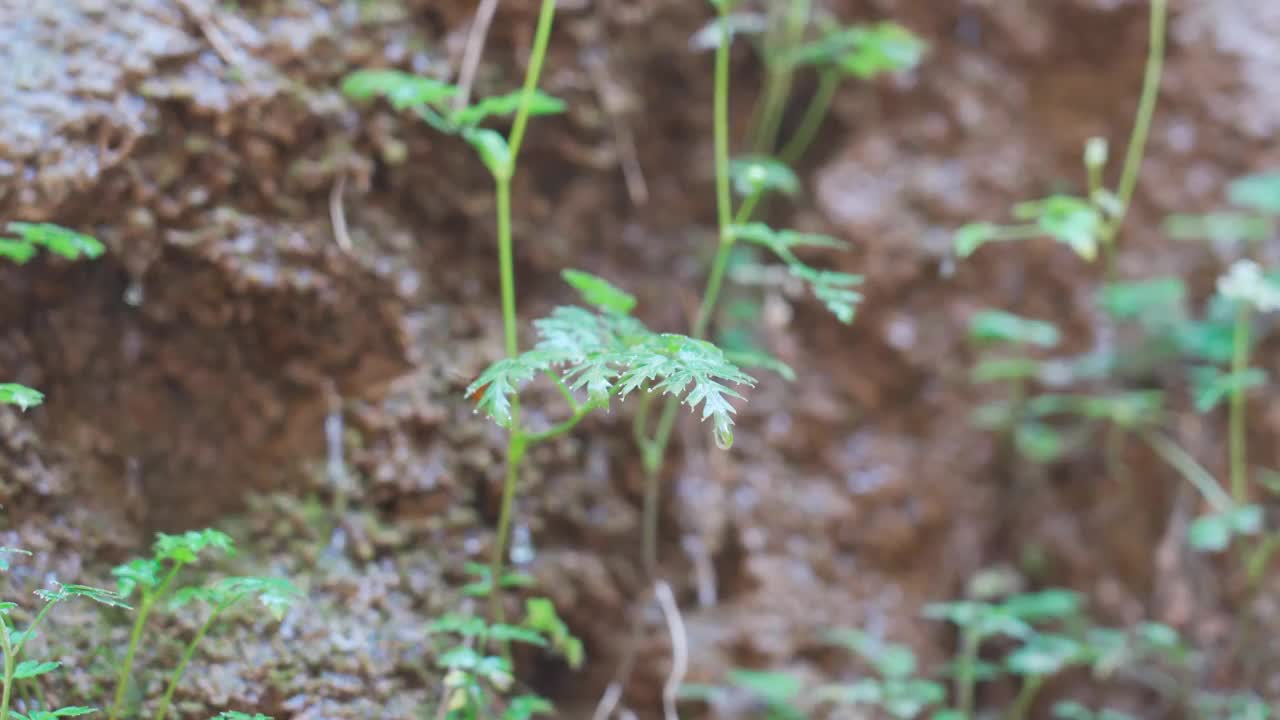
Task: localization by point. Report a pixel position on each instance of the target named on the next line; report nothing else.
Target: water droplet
(724, 437)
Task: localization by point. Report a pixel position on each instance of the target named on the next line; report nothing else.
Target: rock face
(274, 249)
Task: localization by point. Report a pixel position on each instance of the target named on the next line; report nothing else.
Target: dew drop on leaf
(724, 438)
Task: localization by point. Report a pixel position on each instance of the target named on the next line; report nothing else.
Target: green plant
(276, 595)
(1086, 224)
(477, 684)
(237, 715)
(778, 692)
(426, 97)
(896, 690)
(13, 641)
(153, 579)
(20, 249)
(1014, 617)
(1071, 710)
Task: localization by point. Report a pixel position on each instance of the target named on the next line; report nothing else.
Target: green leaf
(1005, 369)
(1070, 220)
(19, 251)
(513, 633)
(833, 289)
(775, 688)
(523, 707)
(973, 236)
(783, 242)
(599, 292)
(741, 23)
(21, 395)
(506, 105)
(461, 657)
(69, 244)
(237, 715)
(864, 51)
(860, 692)
(759, 174)
(98, 595)
(33, 668)
(1259, 192)
(493, 150)
(908, 697)
(1213, 532)
(187, 547)
(760, 359)
(464, 625)
(890, 660)
(1161, 300)
(1051, 604)
(277, 595)
(1039, 443)
(1211, 386)
(5, 552)
(541, 617)
(1044, 655)
(1000, 326)
(403, 90)
(1219, 227)
(139, 573)
(69, 711)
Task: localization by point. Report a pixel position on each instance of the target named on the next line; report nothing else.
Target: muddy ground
(191, 370)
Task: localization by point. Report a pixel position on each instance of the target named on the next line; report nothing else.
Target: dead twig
(679, 648)
(624, 139)
(337, 215)
(475, 49)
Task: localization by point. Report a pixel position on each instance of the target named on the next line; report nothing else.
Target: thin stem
(966, 672)
(516, 441)
(781, 72)
(537, 54)
(1026, 696)
(653, 453)
(1239, 364)
(533, 438)
(515, 454)
(163, 712)
(1146, 110)
(564, 391)
(135, 636)
(10, 665)
(1187, 466)
(813, 116)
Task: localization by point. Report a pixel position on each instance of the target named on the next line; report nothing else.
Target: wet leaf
(1211, 386)
(34, 668)
(21, 395)
(540, 103)
(1000, 326)
(1259, 192)
(403, 90)
(599, 292)
(759, 174)
(493, 150)
(62, 241)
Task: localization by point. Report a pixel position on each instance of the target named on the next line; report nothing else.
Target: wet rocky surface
(190, 372)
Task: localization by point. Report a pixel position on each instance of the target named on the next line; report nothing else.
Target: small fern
(606, 352)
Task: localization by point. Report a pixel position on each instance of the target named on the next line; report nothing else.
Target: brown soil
(190, 371)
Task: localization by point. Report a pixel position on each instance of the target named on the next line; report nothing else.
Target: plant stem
(163, 712)
(1141, 124)
(1239, 364)
(1026, 696)
(653, 453)
(813, 116)
(10, 665)
(966, 673)
(781, 72)
(516, 441)
(537, 54)
(1187, 466)
(135, 636)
